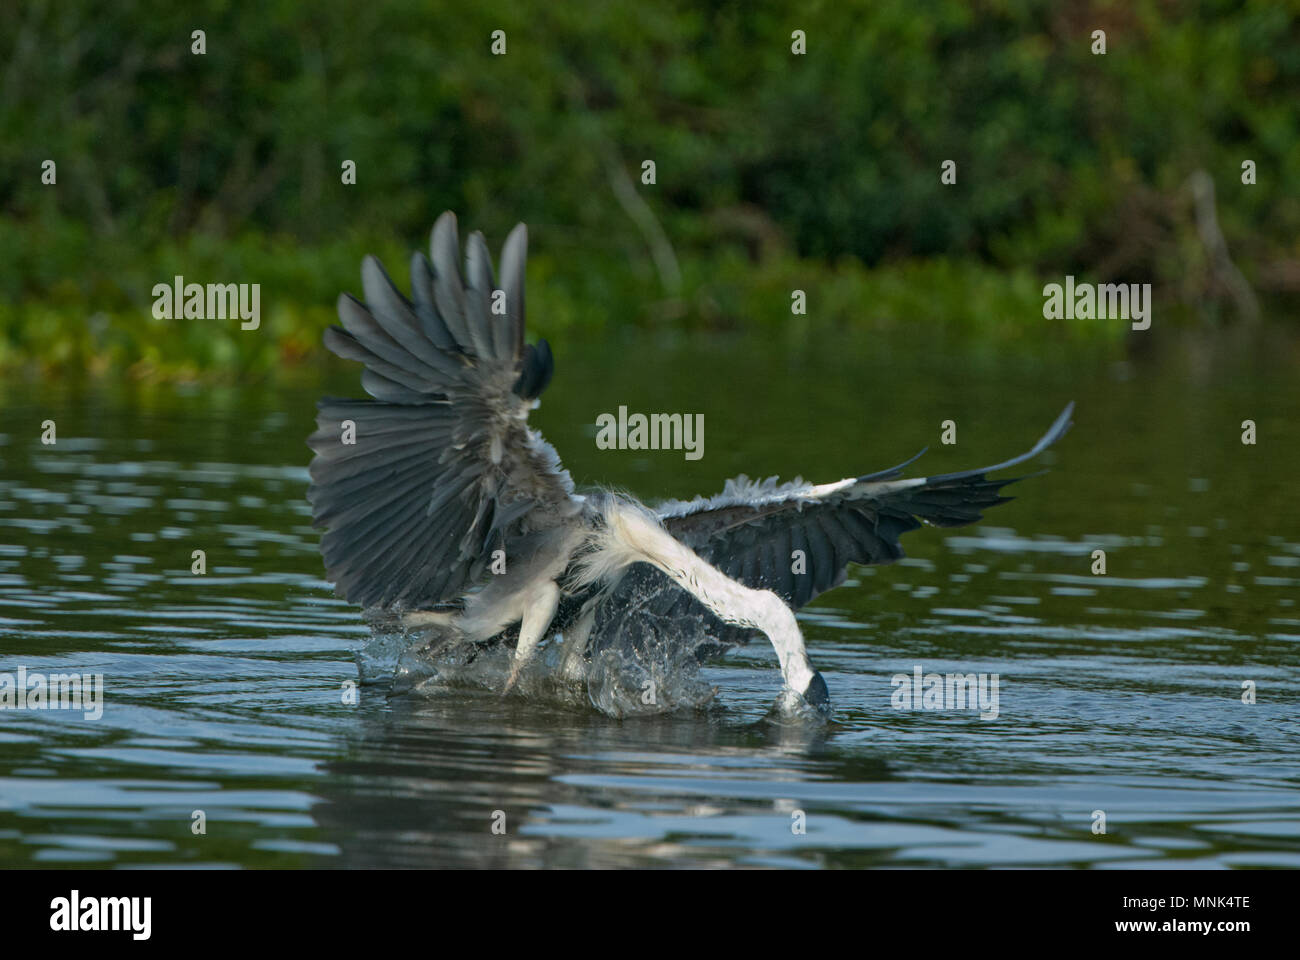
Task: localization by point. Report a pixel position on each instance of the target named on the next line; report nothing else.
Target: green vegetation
(774, 171)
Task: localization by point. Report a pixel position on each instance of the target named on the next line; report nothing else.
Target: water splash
(643, 680)
(656, 675)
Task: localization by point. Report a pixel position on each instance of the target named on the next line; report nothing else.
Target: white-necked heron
(439, 474)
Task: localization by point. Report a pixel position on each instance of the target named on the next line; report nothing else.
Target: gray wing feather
(513, 256)
(444, 466)
(343, 344)
(401, 321)
(382, 388)
(449, 287)
(422, 295)
(751, 530)
(478, 270)
(369, 333)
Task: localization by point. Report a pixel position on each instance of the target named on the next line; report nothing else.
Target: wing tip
(893, 471)
(1055, 432)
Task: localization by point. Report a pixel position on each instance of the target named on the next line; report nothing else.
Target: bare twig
(1222, 268)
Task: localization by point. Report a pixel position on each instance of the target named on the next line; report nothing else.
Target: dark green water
(1119, 693)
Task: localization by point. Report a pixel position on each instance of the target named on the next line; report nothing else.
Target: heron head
(816, 693)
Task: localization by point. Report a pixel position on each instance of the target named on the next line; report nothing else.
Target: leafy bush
(771, 168)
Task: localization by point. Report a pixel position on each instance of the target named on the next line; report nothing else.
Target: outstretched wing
(418, 486)
(751, 530)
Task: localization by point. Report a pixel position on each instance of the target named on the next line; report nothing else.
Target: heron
(441, 507)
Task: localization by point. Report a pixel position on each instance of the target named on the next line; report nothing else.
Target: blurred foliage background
(774, 171)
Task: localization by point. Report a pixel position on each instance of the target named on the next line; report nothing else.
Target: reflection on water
(225, 693)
